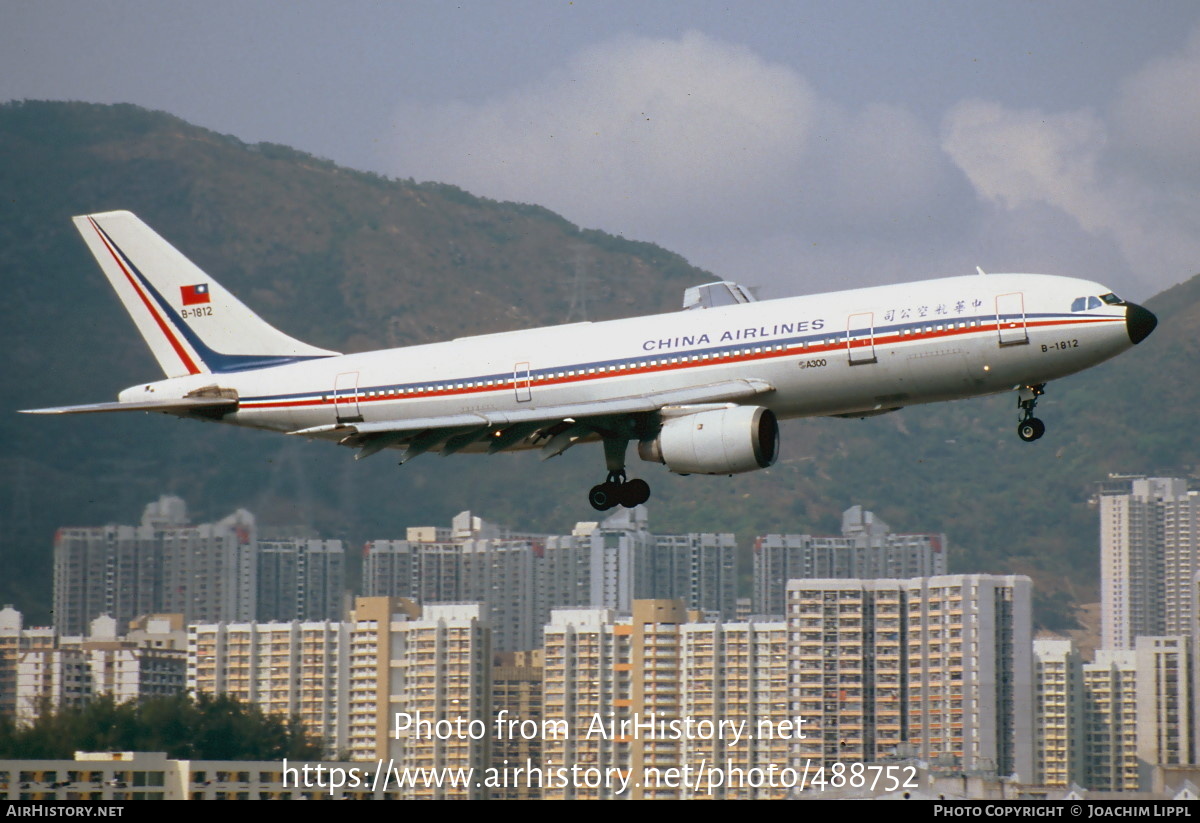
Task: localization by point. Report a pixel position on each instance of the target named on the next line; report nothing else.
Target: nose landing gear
(1030, 428)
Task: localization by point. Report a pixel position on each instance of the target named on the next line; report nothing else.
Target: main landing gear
(616, 490)
(1030, 428)
(619, 491)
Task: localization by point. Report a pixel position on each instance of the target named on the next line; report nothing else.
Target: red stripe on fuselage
(790, 350)
(162, 324)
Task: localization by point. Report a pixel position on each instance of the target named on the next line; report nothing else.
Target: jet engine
(722, 441)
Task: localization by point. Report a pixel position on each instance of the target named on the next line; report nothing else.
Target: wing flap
(396, 431)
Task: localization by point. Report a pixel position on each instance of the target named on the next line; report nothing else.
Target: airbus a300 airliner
(699, 390)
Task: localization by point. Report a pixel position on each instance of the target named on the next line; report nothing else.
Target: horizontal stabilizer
(183, 404)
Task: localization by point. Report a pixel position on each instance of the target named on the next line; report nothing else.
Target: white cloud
(635, 135)
(1021, 160)
(881, 164)
(1157, 113)
(1017, 158)
(680, 142)
(740, 165)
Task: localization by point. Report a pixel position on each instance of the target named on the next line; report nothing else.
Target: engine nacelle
(723, 441)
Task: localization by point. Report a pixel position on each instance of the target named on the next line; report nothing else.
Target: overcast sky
(793, 146)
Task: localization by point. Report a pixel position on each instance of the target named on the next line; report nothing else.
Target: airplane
(700, 390)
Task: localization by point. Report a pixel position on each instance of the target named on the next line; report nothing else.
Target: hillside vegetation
(352, 261)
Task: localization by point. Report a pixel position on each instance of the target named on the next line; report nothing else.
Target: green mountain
(353, 261)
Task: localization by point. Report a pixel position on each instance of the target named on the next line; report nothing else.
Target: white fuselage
(843, 353)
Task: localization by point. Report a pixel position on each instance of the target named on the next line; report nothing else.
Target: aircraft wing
(177, 405)
(561, 426)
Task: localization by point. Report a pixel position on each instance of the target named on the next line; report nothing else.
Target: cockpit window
(1089, 302)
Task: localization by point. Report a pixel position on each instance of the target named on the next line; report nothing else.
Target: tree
(203, 728)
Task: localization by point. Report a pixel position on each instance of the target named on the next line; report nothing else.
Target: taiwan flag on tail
(194, 295)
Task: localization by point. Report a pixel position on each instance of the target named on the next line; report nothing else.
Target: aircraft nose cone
(1139, 322)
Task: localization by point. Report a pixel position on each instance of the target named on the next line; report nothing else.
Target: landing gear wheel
(616, 490)
(1031, 429)
(605, 496)
(635, 493)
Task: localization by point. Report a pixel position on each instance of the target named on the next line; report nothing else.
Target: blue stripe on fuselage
(214, 360)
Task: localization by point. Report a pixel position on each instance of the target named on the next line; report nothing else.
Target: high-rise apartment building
(300, 579)
(737, 673)
(295, 668)
(521, 578)
(867, 549)
(384, 684)
(209, 571)
(387, 569)
(1149, 557)
(517, 700)
(473, 561)
(587, 693)
(940, 663)
(441, 666)
(562, 572)
(205, 572)
(851, 681)
(620, 561)
(1110, 721)
(647, 694)
(150, 661)
(1166, 704)
(370, 725)
(1058, 713)
(700, 570)
(15, 639)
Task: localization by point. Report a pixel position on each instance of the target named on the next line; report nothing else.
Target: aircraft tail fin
(191, 323)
